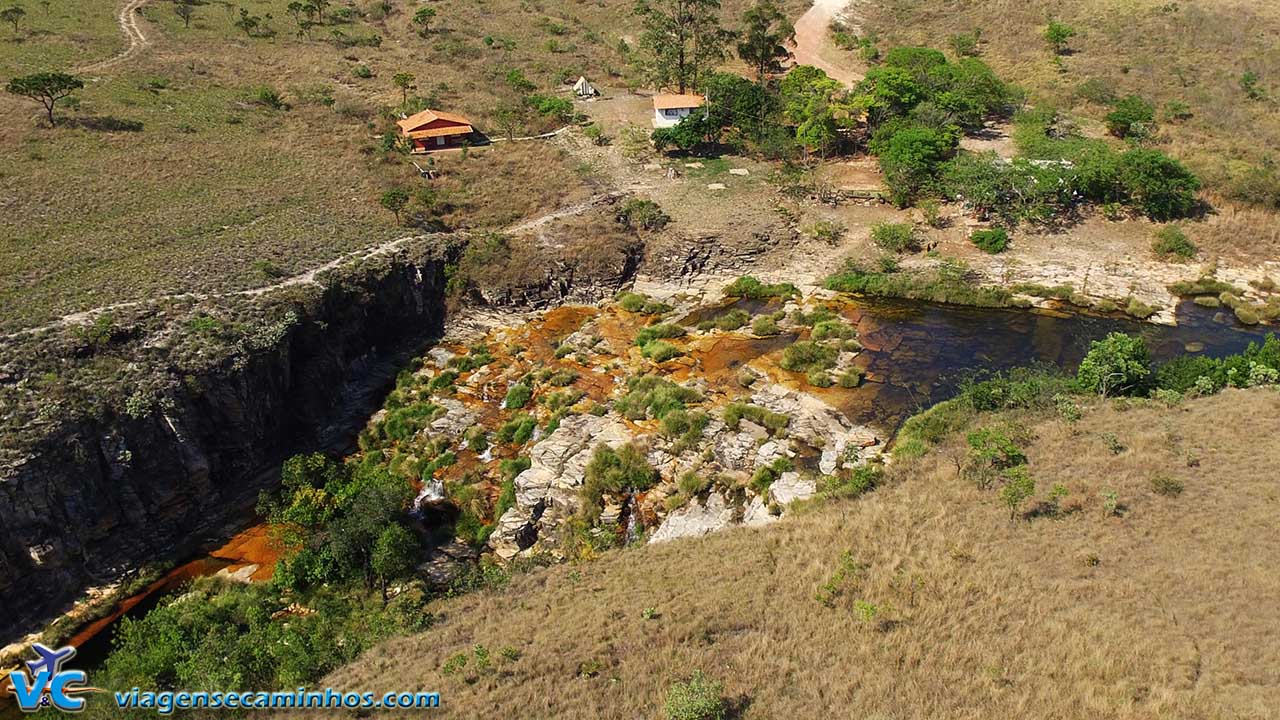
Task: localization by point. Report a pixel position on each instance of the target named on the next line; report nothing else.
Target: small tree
(1019, 486)
(1249, 83)
(393, 555)
(185, 9)
(46, 88)
(404, 81)
(318, 7)
(1058, 35)
(422, 18)
(1116, 364)
(762, 43)
(12, 15)
(395, 200)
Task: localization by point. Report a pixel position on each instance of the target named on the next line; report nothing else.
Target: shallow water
(917, 354)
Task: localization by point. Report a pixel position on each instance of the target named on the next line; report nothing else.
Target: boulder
(695, 519)
(790, 487)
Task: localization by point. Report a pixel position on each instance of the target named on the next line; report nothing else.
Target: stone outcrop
(700, 517)
(98, 494)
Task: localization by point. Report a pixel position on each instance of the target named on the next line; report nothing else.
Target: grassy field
(169, 173)
(1187, 52)
(944, 608)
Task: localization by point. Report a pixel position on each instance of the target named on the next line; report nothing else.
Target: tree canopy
(683, 40)
(47, 88)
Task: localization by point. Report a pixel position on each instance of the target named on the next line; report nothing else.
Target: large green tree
(46, 88)
(762, 42)
(683, 40)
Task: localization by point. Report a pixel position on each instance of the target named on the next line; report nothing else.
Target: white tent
(582, 88)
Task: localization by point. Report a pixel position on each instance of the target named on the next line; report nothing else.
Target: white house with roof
(671, 109)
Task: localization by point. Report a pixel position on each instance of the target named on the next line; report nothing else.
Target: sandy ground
(813, 45)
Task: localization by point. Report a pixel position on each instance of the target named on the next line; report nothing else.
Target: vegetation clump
(612, 471)
(749, 287)
(992, 241)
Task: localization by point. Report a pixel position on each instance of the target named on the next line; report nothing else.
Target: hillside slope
(946, 608)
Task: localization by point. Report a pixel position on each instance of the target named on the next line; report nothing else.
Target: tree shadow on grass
(106, 123)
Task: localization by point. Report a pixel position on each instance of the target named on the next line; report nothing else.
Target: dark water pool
(917, 354)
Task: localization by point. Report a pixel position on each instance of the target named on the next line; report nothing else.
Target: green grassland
(167, 173)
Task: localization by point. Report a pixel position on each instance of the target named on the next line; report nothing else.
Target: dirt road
(813, 41)
(132, 28)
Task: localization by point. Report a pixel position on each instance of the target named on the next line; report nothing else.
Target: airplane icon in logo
(51, 660)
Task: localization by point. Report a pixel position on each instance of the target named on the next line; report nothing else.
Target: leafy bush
(697, 699)
(636, 213)
(764, 325)
(612, 471)
(749, 287)
(518, 396)
(650, 396)
(894, 237)
(1170, 240)
(991, 241)
(734, 412)
(829, 329)
(661, 351)
(659, 331)
(807, 355)
(1166, 485)
(637, 303)
(766, 475)
(1117, 364)
(1132, 117)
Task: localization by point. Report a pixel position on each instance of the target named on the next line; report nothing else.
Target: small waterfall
(631, 520)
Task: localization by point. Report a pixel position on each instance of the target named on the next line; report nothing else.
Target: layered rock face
(101, 494)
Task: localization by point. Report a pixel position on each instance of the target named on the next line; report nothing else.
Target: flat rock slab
(652, 166)
(693, 165)
(739, 171)
(716, 186)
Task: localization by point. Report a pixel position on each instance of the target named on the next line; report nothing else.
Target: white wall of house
(670, 116)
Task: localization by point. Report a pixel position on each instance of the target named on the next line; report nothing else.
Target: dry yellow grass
(1165, 611)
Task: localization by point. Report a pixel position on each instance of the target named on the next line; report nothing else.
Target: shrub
(807, 356)
(1132, 117)
(964, 44)
(611, 471)
(828, 329)
(660, 331)
(894, 237)
(697, 699)
(518, 396)
(731, 320)
(1117, 364)
(661, 351)
(362, 71)
(851, 378)
(749, 287)
(637, 303)
(1160, 185)
(1166, 485)
(764, 325)
(642, 214)
(734, 412)
(766, 475)
(991, 241)
(1019, 486)
(652, 396)
(1171, 241)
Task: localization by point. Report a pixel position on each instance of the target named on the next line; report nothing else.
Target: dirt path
(132, 28)
(813, 41)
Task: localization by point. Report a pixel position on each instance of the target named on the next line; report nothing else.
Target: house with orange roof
(435, 130)
(669, 109)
